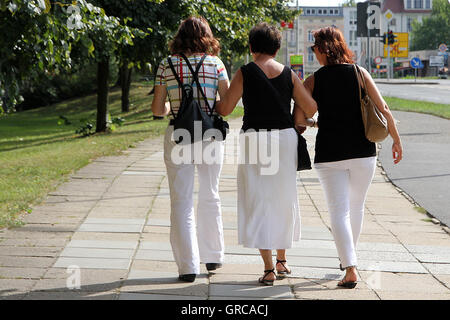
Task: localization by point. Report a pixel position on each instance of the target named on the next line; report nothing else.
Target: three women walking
(268, 208)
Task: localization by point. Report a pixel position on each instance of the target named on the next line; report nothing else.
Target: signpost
(400, 48)
(296, 61)
(368, 24)
(416, 64)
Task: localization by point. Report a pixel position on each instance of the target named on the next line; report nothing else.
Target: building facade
(299, 39)
(404, 13)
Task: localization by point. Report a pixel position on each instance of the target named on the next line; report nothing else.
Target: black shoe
(213, 266)
(187, 277)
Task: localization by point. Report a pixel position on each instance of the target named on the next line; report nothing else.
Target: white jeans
(345, 184)
(194, 242)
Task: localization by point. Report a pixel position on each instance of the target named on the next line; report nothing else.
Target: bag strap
(361, 81)
(195, 79)
(272, 88)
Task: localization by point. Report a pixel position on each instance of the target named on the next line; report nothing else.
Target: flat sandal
(284, 272)
(263, 279)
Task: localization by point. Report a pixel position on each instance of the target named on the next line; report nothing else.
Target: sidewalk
(111, 220)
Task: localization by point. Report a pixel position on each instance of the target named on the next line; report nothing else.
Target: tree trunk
(228, 65)
(102, 94)
(126, 83)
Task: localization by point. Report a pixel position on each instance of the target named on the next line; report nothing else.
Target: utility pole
(296, 32)
(388, 54)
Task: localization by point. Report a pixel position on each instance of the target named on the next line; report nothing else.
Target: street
(437, 93)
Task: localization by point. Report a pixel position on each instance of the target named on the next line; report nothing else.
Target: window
(427, 4)
(408, 4)
(336, 11)
(353, 42)
(313, 11)
(393, 22)
(310, 55)
(308, 11)
(409, 21)
(325, 11)
(320, 11)
(418, 4)
(310, 36)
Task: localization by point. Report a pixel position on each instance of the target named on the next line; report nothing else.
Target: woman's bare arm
(375, 95)
(159, 106)
(303, 98)
(229, 99)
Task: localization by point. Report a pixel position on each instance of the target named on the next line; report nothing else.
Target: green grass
(37, 154)
(437, 109)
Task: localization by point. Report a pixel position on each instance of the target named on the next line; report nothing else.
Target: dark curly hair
(264, 38)
(330, 41)
(194, 35)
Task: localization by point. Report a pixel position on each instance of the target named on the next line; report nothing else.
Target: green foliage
(433, 30)
(37, 39)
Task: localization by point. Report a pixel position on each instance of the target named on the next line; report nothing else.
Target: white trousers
(345, 184)
(194, 240)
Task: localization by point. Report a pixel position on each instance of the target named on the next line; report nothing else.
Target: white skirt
(268, 211)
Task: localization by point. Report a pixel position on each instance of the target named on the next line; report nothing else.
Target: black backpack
(190, 109)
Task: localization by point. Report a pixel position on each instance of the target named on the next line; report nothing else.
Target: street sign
(377, 60)
(436, 61)
(400, 48)
(388, 15)
(368, 16)
(416, 63)
(442, 47)
(296, 61)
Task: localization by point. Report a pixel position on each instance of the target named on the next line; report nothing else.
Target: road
(424, 172)
(438, 93)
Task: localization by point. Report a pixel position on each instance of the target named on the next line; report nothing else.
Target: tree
(162, 17)
(44, 38)
(349, 3)
(433, 30)
(231, 21)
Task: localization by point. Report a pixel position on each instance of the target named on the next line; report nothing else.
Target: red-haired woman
(193, 242)
(344, 159)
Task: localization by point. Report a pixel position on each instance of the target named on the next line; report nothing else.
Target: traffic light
(391, 37)
(383, 38)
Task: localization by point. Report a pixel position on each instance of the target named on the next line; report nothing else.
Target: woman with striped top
(202, 241)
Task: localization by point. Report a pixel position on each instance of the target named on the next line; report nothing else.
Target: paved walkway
(109, 225)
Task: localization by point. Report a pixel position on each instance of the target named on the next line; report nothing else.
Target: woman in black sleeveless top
(268, 213)
(344, 160)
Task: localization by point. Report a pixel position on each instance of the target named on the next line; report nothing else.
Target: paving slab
(97, 253)
(92, 263)
(102, 244)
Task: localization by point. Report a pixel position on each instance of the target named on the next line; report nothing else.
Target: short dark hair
(265, 38)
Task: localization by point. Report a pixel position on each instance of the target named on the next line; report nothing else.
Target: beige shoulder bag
(375, 124)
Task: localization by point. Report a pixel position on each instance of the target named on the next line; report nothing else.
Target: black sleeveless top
(341, 130)
(267, 102)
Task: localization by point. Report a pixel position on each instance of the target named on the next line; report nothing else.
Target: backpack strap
(180, 84)
(195, 78)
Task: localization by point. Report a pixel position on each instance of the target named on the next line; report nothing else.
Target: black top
(267, 102)
(341, 130)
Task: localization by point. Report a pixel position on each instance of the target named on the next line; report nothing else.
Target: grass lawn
(440, 110)
(37, 154)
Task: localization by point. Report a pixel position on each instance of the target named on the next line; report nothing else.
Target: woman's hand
(397, 151)
(230, 95)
